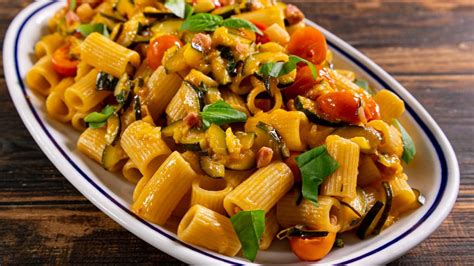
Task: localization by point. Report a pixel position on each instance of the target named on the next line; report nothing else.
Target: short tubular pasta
(261, 190)
(143, 144)
(55, 103)
(234, 177)
(210, 193)
(92, 143)
(131, 172)
(256, 91)
(271, 229)
(48, 44)
(343, 182)
(287, 123)
(183, 102)
(392, 141)
(164, 190)
(106, 55)
(42, 77)
(206, 228)
(403, 195)
(162, 87)
(326, 216)
(83, 96)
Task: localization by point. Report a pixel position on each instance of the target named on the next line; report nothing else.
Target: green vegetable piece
(249, 227)
(278, 69)
(315, 165)
(409, 149)
(221, 113)
(177, 7)
(202, 22)
(188, 11)
(72, 5)
(364, 85)
(238, 23)
(96, 120)
(86, 29)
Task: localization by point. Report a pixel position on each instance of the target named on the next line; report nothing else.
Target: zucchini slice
(243, 161)
(159, 15)
(247, 139)
(275, 138)
(369, 219)
(226, 11)
(386, 210)
(122, 91)
(137, 106)
(212, 168)
(216, 139)
(195, 140)
(369, 133)
(171, 128)
(308, 107)
(200, 92)
(114, 17)
(113, 129)
(113, 157)
(300, 231)
(420, 199)
(105, 82)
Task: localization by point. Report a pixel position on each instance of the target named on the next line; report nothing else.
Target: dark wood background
(426, 45)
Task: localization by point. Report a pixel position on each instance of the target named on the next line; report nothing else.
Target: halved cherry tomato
(63, 64)
(311, 249)
(291, 162)
(158, 47)
(371, 109)
(303, 82)
(261, 38)
(308, 43)
(339, 106)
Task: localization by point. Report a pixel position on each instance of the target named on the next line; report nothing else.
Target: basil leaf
(202, 22)
(238, 23)
(188, 11)
(220, 113)
(249, 227)
(315, 165)
(177, 7)
(72, 5)
(278, 69)
(364, 85)
(86, 29)
(96, 120)
(409, 149)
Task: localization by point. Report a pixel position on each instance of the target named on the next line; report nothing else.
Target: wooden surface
(427, 46)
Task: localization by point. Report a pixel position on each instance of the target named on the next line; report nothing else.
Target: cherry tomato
(339, 106)
(311, 249)
(63, 64)
(308, 43)
(371, 109)
(291, 162)
(261, 38)
(158, 47)
(303, 82)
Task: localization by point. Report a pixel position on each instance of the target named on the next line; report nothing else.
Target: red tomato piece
(63, 64)
(303, 82)
(371, 110)
(291, 162)
(339, 106)
(308, 43)
(158, 47)
(261, 38)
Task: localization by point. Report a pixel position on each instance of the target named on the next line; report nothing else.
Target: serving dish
(434, 169)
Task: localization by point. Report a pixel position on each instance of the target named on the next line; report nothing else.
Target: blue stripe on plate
(443, 163)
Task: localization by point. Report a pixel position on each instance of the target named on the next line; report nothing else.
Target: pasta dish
(231, 121)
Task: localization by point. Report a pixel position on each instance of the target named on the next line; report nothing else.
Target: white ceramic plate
(434, 170)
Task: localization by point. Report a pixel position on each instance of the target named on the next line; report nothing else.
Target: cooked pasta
(228, 132)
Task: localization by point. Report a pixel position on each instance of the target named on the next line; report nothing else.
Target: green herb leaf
(86, 29)
(364, 85)
(202, 22)
(278, 69)
(220, 113)
(249, 227)
(72, 5)
(315, 165)
(178, 7)
(238, 23)
(96, 120)
(409, 149)
(188, 11)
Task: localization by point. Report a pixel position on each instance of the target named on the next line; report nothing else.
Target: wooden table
(427, 46)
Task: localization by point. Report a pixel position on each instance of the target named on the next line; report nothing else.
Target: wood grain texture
(428, 47)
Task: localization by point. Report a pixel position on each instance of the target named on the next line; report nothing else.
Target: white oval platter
(434, 170)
